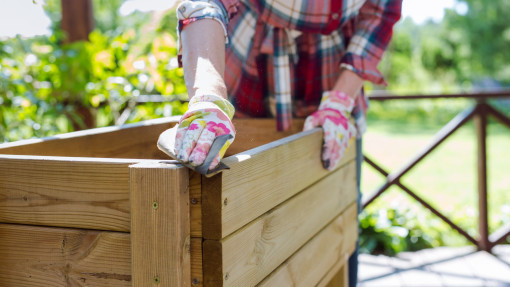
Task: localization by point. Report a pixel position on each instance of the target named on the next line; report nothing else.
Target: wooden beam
(197, 275)
(84, 193)
(195, 199)
(160, 227)
(310, 264)
(338, 279)
(77, 19)
(129, 141)
(253, 252)
(481, 135)
(42, 256)
(261, 178)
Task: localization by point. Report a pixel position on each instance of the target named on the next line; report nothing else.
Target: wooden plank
(129, 141)
(253, 252)
(339, 273)
(311, 263)
(44, 256)
(341, 278)
(197, 276)
(261, 178)
(160, 224)
(68, 192)
(252, 133)
(195, 197)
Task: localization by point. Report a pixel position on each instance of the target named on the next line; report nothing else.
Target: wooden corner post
(160, 224)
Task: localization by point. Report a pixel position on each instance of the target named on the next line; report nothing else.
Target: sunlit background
(439, 47)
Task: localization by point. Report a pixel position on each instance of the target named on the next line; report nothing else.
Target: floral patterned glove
(207, 118)
(333, 116)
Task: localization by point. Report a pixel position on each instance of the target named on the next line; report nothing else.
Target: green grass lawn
(447, 178)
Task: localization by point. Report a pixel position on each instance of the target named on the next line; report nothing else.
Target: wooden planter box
(105, 207)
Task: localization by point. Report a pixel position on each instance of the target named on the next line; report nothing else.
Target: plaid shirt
(282, 55)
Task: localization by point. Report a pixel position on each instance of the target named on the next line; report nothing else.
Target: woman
(283, 59)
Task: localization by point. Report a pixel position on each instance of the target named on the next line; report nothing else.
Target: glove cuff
(336, 100)
(221, 103)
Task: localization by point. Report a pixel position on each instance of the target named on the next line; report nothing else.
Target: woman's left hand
(333, 116)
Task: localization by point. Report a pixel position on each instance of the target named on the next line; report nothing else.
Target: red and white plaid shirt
(282, 55)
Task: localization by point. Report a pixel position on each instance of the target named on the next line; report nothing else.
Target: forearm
(203, 58)
(349, 83)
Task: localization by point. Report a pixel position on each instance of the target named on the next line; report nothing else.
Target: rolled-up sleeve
(194, 10)
(372, 34)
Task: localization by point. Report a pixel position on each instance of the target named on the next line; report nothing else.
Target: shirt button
(335, 16)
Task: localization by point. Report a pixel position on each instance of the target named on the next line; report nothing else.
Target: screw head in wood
(156, 279)
(227, 276)
(225, 201)
(155, 205)
(194, 281)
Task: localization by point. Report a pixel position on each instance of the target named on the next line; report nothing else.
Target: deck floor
(445, 266)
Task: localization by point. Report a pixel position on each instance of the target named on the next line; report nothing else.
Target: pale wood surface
(129, 141)
(311, 263)
(253, 252)
(437, 267)
(160, 228)
(47, 256)
(67, 192)
(139, 140)
(261, 178)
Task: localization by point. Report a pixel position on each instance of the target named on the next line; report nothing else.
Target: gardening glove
(333, 116)
(207, 118)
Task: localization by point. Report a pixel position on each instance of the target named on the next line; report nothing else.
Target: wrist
(204, 102)
(349, 82)
(336, 100)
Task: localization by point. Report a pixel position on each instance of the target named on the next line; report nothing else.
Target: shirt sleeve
(372, 34)
(190, 11)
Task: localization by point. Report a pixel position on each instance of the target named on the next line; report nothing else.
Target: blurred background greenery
(49, 87)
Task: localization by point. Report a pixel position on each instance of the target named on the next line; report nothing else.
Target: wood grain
(195, 197)
(197, 275)
(45, 256)
(311, 263)
(68, 192)
(341, 278)
(261, 178)
(139, 140)
(253, 252)
(160, 224)
(129, 141)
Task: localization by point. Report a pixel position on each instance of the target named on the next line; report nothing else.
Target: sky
(28, 19)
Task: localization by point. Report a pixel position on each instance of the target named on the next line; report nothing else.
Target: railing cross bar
(444, 133)
(498, 115)
(499, 235)
(423, 202)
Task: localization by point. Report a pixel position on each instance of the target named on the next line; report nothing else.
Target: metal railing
(479, 112)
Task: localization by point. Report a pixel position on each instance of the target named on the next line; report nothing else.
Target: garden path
(444, 266)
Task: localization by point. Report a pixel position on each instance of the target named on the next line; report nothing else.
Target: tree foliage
(47, 87)
(462, 52)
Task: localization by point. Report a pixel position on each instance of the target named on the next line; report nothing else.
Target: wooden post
(77, 19)
(160, 224)
(481, 133)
